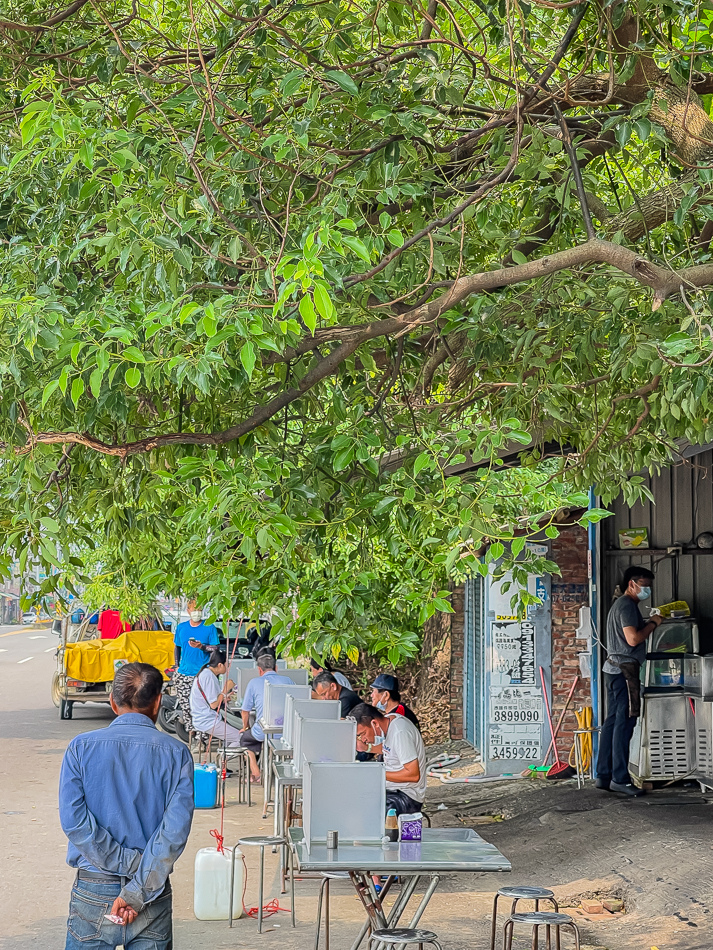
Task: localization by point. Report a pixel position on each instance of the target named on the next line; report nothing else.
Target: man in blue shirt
(194, 642)
(253, 738)
(126, 805)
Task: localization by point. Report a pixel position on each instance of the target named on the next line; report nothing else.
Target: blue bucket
(205, 786)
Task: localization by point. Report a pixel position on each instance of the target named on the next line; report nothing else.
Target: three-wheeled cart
(86, 664)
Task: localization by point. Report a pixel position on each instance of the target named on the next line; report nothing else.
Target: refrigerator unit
(663, 745)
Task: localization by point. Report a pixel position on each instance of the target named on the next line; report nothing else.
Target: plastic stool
(261, 842)
(537, 919)
(516, 894)
(327, 876)
(404, 935)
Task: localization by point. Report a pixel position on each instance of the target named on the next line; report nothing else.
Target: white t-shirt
(403, 744)
(204, 718)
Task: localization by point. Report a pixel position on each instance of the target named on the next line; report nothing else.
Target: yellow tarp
(94, 660)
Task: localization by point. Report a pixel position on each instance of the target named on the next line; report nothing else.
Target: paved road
(33, 738)
(36, 880)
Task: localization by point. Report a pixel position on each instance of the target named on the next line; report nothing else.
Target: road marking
(3, 651)
(25, 660)
(51, 650)
(40, 636)
(12, 633)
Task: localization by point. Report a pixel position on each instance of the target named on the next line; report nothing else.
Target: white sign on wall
(515, 704)
(515, 742)
(513, 653)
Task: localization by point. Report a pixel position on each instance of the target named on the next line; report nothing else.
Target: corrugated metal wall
(683, 510)
(473, 663)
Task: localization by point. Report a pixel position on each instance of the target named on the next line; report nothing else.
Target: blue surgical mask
(381, 706)
(378, 738)
(644, 593)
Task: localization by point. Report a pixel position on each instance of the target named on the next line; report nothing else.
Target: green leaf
(247, 357)
(357, 246)
(95, 382)
(77, 390)
(132, 377)
(50, 525)
(344, 81)
(323, 302)
(517, 546)
(307, 313)
(134, 354)
(86, 155)
(395, 237)
(423, 461)
(48, 390)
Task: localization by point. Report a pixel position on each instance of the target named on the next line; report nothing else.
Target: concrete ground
(656, 853)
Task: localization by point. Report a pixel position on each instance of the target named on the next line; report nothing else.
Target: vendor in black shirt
(386, 697)
(627, 632)
(324, 686)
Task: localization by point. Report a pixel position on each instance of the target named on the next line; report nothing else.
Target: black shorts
(403, 803)
(249, 742)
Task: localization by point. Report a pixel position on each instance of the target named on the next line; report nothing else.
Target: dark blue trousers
(615, 734)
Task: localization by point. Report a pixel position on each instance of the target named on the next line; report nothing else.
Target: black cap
(386, 681)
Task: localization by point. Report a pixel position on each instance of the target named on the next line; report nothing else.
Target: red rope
(219, 838)
(268, 910)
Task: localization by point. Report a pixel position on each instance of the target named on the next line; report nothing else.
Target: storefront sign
(515, 704)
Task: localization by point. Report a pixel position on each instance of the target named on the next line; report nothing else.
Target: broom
(560, 769)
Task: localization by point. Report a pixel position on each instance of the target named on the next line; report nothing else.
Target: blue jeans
(616, 733)
(88, 929)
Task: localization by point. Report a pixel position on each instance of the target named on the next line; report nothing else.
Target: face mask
(195, 616)
(381, 706)
(378, 739)
(644, 593)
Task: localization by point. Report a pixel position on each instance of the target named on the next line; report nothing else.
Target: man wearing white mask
(627, 632)
(404, 755)
(193, 642)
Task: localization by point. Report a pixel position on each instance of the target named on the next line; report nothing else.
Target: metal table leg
(435, 878)
(261, 898)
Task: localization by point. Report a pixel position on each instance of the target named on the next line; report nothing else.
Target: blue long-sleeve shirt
(126, 804)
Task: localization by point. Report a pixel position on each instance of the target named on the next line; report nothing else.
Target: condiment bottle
(391, 828)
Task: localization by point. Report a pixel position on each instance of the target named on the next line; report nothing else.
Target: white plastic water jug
(211, 889)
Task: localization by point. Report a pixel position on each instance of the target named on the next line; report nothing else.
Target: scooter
(170, 716)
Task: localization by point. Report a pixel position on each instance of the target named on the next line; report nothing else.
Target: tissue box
(410, 827)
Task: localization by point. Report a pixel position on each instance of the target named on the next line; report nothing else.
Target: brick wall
(457, 624)
(570, 591)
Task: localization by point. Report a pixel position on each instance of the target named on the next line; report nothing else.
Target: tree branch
(662, 281)
(48, 24)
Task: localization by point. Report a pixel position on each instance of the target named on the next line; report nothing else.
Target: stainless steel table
(442, 851)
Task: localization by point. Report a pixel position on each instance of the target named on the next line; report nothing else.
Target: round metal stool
(400, 936)
(327, 876)
(516, 894)
(261, 842)
(537, 919)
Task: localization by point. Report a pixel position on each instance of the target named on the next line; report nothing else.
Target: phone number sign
(515, 742)
(515, 704)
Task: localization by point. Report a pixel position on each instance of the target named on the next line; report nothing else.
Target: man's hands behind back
(121, 909)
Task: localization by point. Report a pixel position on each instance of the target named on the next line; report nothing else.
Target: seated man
(322, 666)
(404, 755)
(253, 737)
(207, 698)
(325, 686)
(385, 696)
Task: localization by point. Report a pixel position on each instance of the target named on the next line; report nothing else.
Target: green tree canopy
(281, 281)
